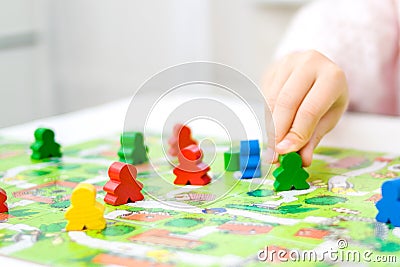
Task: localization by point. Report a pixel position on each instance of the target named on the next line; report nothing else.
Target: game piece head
(44, 134)
(118, 170)
(83, 195)
(185, 137)
(139, 140)
(184, 131)
(130, 138)
(290, 160)
(126, 137)
(391, 189)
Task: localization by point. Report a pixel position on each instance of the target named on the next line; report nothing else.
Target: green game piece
(290, 174)
(133, 150)
(231, 160)
(44, 146)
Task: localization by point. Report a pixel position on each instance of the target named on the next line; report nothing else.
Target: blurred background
(59, 56)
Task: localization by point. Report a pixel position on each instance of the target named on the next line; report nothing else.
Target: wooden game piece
(181, 138)
(231, 160)
(3, 199)
(122, 186)
(250, 147)
(250, 159)
(133, 150)
(85, 212)
(44, 145)
(389, 206)
(191, 170)
(290, 174)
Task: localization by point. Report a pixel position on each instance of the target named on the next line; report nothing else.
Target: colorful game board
(229, 222)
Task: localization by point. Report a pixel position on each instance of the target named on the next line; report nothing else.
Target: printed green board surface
(230, 222)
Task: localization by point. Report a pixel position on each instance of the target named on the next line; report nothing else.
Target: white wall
(104, 50)
(90, 52)
(245, 33)
(23, 89)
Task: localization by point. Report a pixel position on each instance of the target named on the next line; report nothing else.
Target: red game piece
(123, 186)
(191, 170)
(3, 198)
(180, 139)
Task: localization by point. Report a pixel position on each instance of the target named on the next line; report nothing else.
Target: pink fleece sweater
(362, 37)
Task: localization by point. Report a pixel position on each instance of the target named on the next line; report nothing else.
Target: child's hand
(307, 94)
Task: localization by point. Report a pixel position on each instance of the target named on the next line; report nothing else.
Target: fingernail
(284, 145)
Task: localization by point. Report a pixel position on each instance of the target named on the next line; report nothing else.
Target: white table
(355, 130)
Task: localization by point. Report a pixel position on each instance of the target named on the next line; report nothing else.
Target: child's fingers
(272, 84)
(324, 93)
(282, 116)
(289, 100)
(277, 77)
(327, 122)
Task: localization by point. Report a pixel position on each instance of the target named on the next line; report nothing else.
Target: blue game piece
(250, 159)
(251, 173)
(249, 147)
(389, 206)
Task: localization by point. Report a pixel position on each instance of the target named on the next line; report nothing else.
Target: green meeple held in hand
(44, 146)
(290, 174)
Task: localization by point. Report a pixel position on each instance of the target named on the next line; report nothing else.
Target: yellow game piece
(85, 212)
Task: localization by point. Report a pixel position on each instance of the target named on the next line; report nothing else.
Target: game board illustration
(224, 223)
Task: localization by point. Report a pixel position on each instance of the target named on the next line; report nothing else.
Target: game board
(225, 223)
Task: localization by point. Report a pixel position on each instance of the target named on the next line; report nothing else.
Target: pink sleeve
(361, 36)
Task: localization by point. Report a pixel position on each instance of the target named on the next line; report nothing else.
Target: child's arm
(307, 94)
